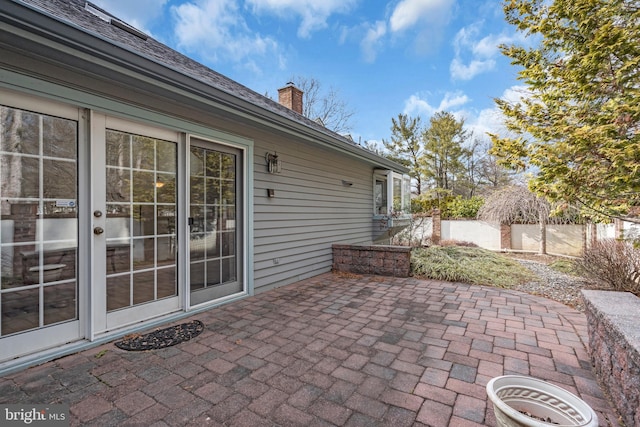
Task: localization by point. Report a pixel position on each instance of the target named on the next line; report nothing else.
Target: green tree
(405, 146)
(578, 124)
(444, 151)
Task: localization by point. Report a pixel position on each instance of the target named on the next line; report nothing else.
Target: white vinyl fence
(566, 239)
(484, 234)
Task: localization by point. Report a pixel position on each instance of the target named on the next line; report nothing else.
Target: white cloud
(460, 71)
(421, 21)
(216, 30)
(452, 99)
(372, 40)
(491, 120)
(314, 13)
(475, 55)
(408, 13)
(418, 106)
(424, 21)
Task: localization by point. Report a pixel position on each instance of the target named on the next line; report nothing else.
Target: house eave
(34, 34)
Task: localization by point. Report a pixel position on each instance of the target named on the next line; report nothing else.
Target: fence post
(436, 232)
(586, 230)
(505, 236)
(618, 227)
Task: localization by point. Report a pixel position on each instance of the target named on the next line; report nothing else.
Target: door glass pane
(118, 292)
(144, 186)
(166, 156)
(144, 287)
(118, 185)
(165, 285)
(141, 219)
(38, 220)
(59, 303)
(59, 179)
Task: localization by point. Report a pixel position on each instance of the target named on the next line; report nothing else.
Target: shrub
(458, 243)
(461, 208)
(566, 266)
(474, 266)
(614, 262)
(434, 199)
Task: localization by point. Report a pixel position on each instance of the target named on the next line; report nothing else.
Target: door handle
(98, 230)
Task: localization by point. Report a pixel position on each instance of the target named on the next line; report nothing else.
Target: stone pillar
(505, 236)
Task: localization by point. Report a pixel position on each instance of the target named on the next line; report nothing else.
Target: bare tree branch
(327, 107)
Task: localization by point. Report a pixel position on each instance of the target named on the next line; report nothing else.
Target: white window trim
(389, 176)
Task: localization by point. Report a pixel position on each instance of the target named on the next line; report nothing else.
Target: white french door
(135, 264)
(215, 221)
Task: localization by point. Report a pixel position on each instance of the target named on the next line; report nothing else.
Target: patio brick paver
(335, 349)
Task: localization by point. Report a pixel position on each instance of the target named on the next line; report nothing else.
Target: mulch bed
(161, 338)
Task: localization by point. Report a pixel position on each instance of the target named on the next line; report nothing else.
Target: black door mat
(161, 338)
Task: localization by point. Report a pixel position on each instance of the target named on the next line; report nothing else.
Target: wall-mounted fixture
(271, 192)
(274, 165)
(347, 183)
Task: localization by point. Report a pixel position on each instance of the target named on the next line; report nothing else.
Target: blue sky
(384, 58)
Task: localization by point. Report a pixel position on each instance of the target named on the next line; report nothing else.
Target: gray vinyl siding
(311, 210)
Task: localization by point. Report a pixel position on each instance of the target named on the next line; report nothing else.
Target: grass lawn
(475, 266)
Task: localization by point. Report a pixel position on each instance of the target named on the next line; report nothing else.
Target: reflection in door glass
(213, 209)
(141, 219)
(38, 220)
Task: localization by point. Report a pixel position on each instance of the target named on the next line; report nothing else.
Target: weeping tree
(516, 204)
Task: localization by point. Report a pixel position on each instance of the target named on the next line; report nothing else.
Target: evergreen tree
(405, 146)
(444, 151)
(578, 125)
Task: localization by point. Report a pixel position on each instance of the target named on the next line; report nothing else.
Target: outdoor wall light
(274, 165)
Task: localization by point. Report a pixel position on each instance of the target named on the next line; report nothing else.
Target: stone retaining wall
(613, 320)
(381, 260)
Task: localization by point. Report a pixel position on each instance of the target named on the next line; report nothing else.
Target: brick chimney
(291, 97)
